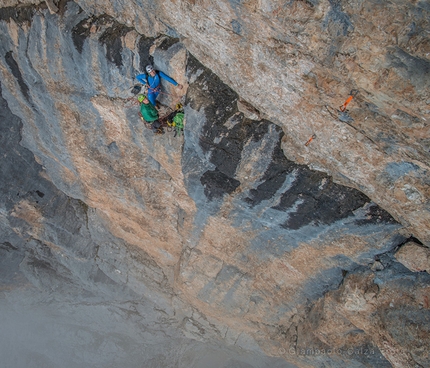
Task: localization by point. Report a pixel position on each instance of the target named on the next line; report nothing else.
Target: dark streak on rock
(19, 14)
(7, 246)
(167, 43)
(216, 184)
(273, 177)
(220, 105)
(146, 58)
(80, 33)
(412, 68)
(62, 4)
(225, 132)
(14, 68)
(337, 21)
(112, 39)
(318, 203)
(318, 199)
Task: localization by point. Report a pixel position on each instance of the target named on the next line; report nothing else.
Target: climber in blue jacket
(152, 80)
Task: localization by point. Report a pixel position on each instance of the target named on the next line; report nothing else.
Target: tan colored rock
(51, 6)
(130, 39)
(384, 312)
(414, 256)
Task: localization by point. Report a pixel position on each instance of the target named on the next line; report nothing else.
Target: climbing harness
(158, 90)
(310, 140)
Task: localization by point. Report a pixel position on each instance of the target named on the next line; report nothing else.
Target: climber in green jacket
(149, 113)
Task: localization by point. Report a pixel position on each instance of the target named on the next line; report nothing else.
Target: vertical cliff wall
(291, 60)
(219, 231)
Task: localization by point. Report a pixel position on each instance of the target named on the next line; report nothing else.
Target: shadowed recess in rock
(318, 199)
(36, 195)
(80, 32)
(216, 184)
(14, 68)
(15, 160)
(218, 99)
(19, 14)
(226, 153)
(112, 39)
(111, 36)
(167, 43)
(219, 103)
(143, 46)
(312, 197)
(225, 132)
(274, 176)
(376, 214)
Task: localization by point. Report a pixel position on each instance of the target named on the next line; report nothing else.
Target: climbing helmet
(149, 69)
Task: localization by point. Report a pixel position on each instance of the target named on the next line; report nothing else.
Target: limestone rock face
(226, 234)
(292, 60)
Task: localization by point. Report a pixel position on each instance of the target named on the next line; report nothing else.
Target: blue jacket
(154, 82)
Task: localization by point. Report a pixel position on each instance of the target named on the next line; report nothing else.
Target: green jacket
(149, 112)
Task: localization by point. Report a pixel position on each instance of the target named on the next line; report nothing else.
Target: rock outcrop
(235, 233)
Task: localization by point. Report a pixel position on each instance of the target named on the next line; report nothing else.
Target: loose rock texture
(226, 235)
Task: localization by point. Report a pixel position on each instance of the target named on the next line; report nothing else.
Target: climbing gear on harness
(310, 140)
(172, 121)
(352, 94)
